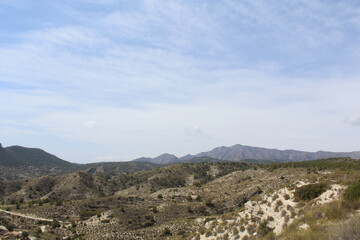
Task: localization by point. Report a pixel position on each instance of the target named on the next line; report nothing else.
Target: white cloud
(354, 118)
(92, 124)
(194, 131)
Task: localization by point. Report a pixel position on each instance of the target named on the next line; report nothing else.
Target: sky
(107, 80)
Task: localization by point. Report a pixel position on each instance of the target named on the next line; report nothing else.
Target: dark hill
(21, 156)
(16, 161)
(21, 162)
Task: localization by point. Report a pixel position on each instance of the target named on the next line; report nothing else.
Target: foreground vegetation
(216, 200)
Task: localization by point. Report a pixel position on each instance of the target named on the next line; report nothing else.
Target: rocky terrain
(207, 200)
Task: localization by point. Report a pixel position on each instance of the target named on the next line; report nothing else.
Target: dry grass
(348, 230)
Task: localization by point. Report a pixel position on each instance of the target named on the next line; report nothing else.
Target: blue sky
(115, 80)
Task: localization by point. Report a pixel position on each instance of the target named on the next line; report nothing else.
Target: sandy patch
(331, 194)
(278, 209)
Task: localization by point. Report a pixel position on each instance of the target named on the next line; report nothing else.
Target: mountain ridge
(19, 162)
(240, 152)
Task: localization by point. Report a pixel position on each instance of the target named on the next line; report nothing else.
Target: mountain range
(241, 153)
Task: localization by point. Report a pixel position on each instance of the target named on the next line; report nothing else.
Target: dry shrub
(349, 230)
(334, 210)
(277, 205)
(276, 196)
(286, 196)
(292, 213)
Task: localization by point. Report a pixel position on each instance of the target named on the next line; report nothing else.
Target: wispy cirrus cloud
(147, 70)
(65, 36)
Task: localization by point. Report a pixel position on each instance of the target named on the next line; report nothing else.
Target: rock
(318, 215)
(304, 226)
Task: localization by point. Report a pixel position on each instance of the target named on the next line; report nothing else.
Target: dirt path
(26, 216)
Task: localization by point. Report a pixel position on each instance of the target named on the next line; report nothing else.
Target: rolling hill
(21, 162)
(17, 162)
(206, 200)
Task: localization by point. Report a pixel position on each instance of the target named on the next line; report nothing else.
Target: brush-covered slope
(114, 168)
(17, 162)
(88, 183)
(221, 200)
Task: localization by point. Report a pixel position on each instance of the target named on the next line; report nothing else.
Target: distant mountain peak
(165, 158)
(166, 155)
(161, 159)
(240, 152)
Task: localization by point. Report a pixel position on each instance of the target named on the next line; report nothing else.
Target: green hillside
(21, 156)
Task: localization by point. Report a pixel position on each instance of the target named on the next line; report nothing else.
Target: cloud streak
(155, 74)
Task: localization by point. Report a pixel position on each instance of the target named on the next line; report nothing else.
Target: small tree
(166, 232)
(58, 203)
(55, 224)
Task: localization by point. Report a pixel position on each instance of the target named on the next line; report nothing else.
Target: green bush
(9, 226)
(154, 210)
(352, 193)
(208, 202)
(263, 229)
(166, 232)
(311, 191)
(180, 233)
(88, 214)
(55, 224)
(151, 221)
(58, 203)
